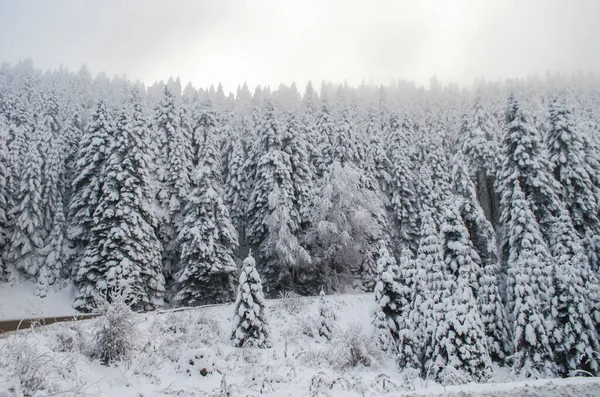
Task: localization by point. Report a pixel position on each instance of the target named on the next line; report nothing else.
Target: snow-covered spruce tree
(236, 182)
(21, 125)
(407, 357)
(3, 197)
(457, 248)
(573, 337)
(478, 141)
(402, 187)
(207, 237)
(272, 217)
(525, 162)
(387, 297)
(377, 165)
(325, 130)
(207, 122)
(491, 281)
(27, 237)
(123, 249)
(529, 289)
(460, 341)
(566, 145)
(54, 251)
(294, 143)
(171, 175)
(89, 174)
(429, 287)
(250, 325)
(326, 317)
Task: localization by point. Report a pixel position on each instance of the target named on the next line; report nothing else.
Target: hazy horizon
(271, 43)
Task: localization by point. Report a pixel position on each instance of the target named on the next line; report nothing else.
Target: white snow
(174, 349)
(18, 300)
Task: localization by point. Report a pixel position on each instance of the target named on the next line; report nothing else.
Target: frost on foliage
(250, 325)
(345, 222)
(529, 289)
(388, 295)
(326, 317)
(115, 333)
(207, 237)
(573, 337)
(124, 250)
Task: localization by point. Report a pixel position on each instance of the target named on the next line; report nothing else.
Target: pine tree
(207, 237)
(429, 285)
(567, 158)
(407, 343)
(460, 341)
(529, 289)
(55, 249)
(387, 297)
(3, 198)
(250, 325)
(491, 281)
(525, 162)
(326, 317)
(27, 220)
(325, 130)
(123, 249)
(573, 338)
(403, 193)
(89, 174)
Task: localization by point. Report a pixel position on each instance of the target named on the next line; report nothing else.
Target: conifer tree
(407, 346)
(3, 198)
(491, 280)
(525, 162)
(460, 341)
(403, 185)
(529, 289)
(54, 251)
(27, 219)
(207, 237)
(387, 298)
(573, 337)
(567, 158)
(250, 324)
(89, 173)
(123, 249)
(326, 317)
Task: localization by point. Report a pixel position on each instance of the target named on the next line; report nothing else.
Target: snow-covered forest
(472, 214)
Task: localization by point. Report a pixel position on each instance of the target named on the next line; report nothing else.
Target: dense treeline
(473, 215)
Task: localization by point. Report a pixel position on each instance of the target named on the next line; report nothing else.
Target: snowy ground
(188, 353)
(18, 300)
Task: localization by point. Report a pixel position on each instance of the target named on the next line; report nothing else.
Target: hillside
(172, 350)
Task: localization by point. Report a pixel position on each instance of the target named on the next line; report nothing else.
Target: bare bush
(115, 332)
(291, 302)
(353, 348)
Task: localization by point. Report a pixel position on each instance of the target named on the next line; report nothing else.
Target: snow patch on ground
(189, 353)
(19, 300)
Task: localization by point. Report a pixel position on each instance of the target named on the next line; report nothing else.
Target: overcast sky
(270, 42)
